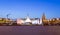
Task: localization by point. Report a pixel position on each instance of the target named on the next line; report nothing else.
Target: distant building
(40, 21)
(35, 21)
(20, 21)
(6, 21)
(44, 20)
(27, 21)
(43, 16)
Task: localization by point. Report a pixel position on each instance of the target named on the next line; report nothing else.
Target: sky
(35, 8)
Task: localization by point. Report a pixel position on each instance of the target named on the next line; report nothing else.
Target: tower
(43, 19)
(43, 16)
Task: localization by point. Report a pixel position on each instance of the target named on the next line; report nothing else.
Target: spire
(27, 15)
(27, 18)
(43, 16)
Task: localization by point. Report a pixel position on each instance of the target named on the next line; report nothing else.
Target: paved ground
(29, 30)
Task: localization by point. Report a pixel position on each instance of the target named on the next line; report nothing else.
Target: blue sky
(35, 8)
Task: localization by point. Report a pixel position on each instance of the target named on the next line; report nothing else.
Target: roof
(27, 19)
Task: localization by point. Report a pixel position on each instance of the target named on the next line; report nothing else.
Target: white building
(40, 22)
(25, 21)
(28, 21)
(37, 21)
(34, 21)
(20, 21)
